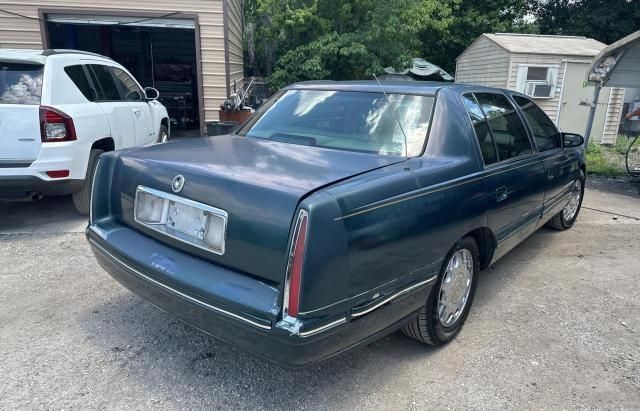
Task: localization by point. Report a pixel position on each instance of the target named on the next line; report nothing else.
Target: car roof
(429, 88)
(40, 56)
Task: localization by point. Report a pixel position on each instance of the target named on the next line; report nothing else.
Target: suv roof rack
(53, 52)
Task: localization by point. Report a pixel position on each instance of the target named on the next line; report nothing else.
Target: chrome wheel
(455, 287)
(570, 210)
(164, 137)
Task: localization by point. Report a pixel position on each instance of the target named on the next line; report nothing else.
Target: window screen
(77, 75)
(509, 133)
(544, 131)
(487, 148)
(128, 86)
(108, 89)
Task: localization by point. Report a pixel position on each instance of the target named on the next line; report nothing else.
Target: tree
(337, 39)
(469, 19)
(606, 21)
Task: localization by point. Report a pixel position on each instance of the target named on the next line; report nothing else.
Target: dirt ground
(555, 324)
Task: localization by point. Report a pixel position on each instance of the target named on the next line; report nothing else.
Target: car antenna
(395, 115)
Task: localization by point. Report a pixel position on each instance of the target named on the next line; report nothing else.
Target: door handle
(136, 111)
(501, 194)
(550, 175)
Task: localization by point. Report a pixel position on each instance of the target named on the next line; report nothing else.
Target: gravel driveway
(555, 324)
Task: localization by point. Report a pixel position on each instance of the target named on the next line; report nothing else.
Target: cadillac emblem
(177, 183)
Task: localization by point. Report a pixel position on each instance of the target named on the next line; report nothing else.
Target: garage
(191, 52)
(159, 52)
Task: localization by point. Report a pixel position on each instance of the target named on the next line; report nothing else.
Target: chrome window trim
(171, 197)
(179, 293)
(393, 297)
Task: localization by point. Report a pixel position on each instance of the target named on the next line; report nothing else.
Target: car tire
(568, 215)
(428, 327)
(82, 198)
(163, 135)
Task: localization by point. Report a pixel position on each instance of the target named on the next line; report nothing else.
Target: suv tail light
(55, 125)
(294, 268)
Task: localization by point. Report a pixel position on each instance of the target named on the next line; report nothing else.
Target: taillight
(55, 125)
(294, 268)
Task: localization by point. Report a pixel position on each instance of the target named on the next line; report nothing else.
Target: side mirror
(572, 140)
(151, 93)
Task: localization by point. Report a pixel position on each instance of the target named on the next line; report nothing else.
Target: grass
(608, 160)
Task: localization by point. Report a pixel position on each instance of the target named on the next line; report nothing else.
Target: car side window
(479, 122)
(108, 89)
(544, 131)
(128, 87)
(508, 130)
(77, 74)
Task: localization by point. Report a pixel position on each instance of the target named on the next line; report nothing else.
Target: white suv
(61, 109)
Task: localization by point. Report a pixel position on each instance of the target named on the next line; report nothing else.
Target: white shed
(550, 69)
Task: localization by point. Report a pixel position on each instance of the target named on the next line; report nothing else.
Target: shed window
(537, 81)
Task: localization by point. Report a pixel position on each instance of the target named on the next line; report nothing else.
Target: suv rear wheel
(82, 198)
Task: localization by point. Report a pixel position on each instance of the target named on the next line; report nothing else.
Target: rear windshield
(346, 120)
(20, 83)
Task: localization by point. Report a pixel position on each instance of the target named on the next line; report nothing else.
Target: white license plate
(183, 219)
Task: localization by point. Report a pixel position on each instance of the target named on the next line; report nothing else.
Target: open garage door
(160, 52)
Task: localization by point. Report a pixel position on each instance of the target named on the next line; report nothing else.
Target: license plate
(186, 219)
(182, 219)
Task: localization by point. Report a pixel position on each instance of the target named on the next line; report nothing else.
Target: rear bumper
(26, 187)
(267, 339)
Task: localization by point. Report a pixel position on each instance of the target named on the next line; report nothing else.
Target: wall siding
(17, 32)
(234, 42)
(484, 63)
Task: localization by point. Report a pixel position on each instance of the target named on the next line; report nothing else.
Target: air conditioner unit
(538, 89)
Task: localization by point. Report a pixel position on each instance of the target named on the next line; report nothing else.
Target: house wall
(484, 63)
(549, 105)
(235, 57)
(18, 32)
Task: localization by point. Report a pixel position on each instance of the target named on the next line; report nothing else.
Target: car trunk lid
(258, 183)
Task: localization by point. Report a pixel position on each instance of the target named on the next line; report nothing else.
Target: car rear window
(346, 120)
(20, 83)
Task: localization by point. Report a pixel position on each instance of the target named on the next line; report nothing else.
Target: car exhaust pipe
(35, 196)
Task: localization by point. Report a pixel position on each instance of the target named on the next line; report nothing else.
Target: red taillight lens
(58, 173)
(292, 294)
(56, 125)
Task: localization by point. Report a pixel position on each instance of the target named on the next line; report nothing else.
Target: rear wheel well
(486, 244)
(106, 144)
(165, 122)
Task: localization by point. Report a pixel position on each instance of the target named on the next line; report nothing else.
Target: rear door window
(108, 91)
(483, 134)
(79, 77)
(128, 87)
(20, 83)
(508, 130)
(544, 131)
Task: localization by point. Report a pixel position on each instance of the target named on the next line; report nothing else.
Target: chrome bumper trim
(325, 327)
(392, 297)
(179, 293)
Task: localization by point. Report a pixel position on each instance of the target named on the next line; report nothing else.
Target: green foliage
(600, 161)
(603, 20)
(295, 40)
